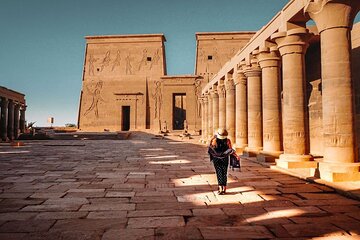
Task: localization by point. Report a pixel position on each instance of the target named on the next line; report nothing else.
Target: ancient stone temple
(125, 85)
(12, 120)
(289, 93)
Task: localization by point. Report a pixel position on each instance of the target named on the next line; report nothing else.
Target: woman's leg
(219, 172)
(224, 169)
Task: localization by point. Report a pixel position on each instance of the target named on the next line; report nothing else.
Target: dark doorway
(179, 110)
(125, 121)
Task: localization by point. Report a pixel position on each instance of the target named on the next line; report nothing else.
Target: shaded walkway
(147, 188)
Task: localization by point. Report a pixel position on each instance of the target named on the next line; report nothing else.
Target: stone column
(3, 120)
(210, 116)
(10, 125)
(241, 111)
(206, 117)
(222, 105)
(334, 20)
(230, 108)
(269, 62)
(22, 119)
(16, 120)
(292, 46)
(253, 74)
(215, 105)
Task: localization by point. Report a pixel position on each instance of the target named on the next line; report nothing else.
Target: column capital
(214, 93)
(252, 70)
(229, 85)
(205, 99)
(221, 90)
(292, 41)
(4, 101)
(268, 57)
(329, 14)
(239, 77)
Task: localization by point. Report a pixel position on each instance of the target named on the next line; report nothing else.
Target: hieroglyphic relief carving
(128, 64)
(201, 56)
(231, 53)
(96, 97)
(92, 60)
(116, 61)
(216, 57)
(156, 58)
(143, 61)
(198, 96)
(157, 96)
(130, 97)
(105, 61)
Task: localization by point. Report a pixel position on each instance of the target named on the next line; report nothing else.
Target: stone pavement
(146, 188)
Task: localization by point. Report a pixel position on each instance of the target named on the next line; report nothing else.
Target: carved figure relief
(105, 61)
(201, 56)
(128, 64)
(116, 61)
(157, 96)
(156, 58)
(216, 57)
(197, 96)
(92, 60)
(96, 97)
(143, 61)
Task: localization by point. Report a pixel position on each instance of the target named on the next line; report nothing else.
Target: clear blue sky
(42, 41)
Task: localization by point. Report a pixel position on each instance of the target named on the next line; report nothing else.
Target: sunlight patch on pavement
(276, 214)
(161, 157)
(179, 161)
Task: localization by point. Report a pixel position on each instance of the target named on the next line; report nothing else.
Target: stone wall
(215, 49)
(120, 71)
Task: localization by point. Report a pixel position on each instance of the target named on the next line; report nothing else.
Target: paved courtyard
(146, 188)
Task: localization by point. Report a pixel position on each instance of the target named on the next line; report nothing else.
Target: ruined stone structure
(12, 120)
(125, 86)
(294, 91)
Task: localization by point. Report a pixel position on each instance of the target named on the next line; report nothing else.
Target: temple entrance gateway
(125, 118)
(179, 110)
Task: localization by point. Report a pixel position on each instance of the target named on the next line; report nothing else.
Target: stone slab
(154, 222)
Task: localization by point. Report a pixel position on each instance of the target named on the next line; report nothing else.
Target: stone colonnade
(12, 119)
(261, 93)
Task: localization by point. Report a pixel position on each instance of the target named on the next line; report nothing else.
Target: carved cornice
(292, 41)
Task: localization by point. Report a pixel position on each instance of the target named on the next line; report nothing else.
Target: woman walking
(219, 150)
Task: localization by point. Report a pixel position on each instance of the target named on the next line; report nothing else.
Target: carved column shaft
(269, 63)
(230, 108)
(334, 20)
(206, 117)
(210, 117)
(292, 46)
(16, 120)
(222, 105)
(22, 119)
(215, 104)
(202, 119)
(241, 110)
(253, 74)
(3, 120)
(10, 125)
